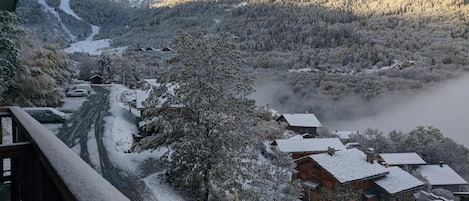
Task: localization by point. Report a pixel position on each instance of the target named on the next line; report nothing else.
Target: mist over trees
(345, 51)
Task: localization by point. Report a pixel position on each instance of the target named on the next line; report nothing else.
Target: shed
(96, 79)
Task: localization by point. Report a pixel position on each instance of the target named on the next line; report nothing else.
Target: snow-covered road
(100, 131)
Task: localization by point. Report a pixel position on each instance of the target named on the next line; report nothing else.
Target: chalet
(407, 161)
(350, 175)
(96, 79)
(398, 185)
(345, 136)
(299, 147)
(301, 123)
(442, 176)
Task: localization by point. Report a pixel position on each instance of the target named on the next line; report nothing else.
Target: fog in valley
(445, 107)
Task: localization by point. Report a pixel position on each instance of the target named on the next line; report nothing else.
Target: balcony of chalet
(37, 166)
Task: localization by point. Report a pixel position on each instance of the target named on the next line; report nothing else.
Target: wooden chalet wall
(405, 196)
(303, 130)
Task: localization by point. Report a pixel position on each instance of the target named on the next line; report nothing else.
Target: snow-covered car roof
(43, 108)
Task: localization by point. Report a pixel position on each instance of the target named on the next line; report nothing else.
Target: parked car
(46, 114)
(84, 86)
(77, 93)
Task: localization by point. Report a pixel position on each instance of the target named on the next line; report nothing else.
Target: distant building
(351, 175)
(407, 161)
(299, 147)
(96, 79)
(442, 176)
(345, 136)
(301, 123)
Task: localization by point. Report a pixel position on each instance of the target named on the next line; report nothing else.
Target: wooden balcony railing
(37, 166)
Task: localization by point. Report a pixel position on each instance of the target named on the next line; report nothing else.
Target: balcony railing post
(2, 171)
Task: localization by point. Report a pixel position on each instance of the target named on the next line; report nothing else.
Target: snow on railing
(44, 168)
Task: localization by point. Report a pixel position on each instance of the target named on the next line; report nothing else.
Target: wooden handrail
(15, 149)
(73, 178)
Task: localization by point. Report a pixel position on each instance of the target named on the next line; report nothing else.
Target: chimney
(370, 155)
(330, 151)
(441, 163)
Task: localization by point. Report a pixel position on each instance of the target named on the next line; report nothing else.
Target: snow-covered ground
(90, 46)
(117, 138)
(56, 15)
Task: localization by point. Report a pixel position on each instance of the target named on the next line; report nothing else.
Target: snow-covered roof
(96, 75)
(309, 144)
(352, 145)
(311, 184)
(302, 120)
(344, 134)
(398, 181)
(141, 98)
(349, 165)
(411, 158)
(441, 175)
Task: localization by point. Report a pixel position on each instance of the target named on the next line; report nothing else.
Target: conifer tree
(214, 129)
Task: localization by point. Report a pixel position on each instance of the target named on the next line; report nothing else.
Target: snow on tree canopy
(349, 165)
(441, 175)
(302, 120)
(411, 158)
(309, 145)
(398, 180)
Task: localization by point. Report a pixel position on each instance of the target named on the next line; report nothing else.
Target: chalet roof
(344, 134)
(349, 165)
(411, 158)
(302, 120)
(309, 145)
(441, 175)
(141, 98)
(398, 181)
(96, 75)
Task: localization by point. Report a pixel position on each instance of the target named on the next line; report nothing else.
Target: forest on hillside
(326, 53)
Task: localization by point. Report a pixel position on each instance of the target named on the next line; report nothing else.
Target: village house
(345, 136)
(351, 175)
(299, 147)
(442, 176)
(398, 185)
(407, 161)
(301, 123)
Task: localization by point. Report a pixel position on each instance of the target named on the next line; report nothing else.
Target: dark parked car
(46, 114)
